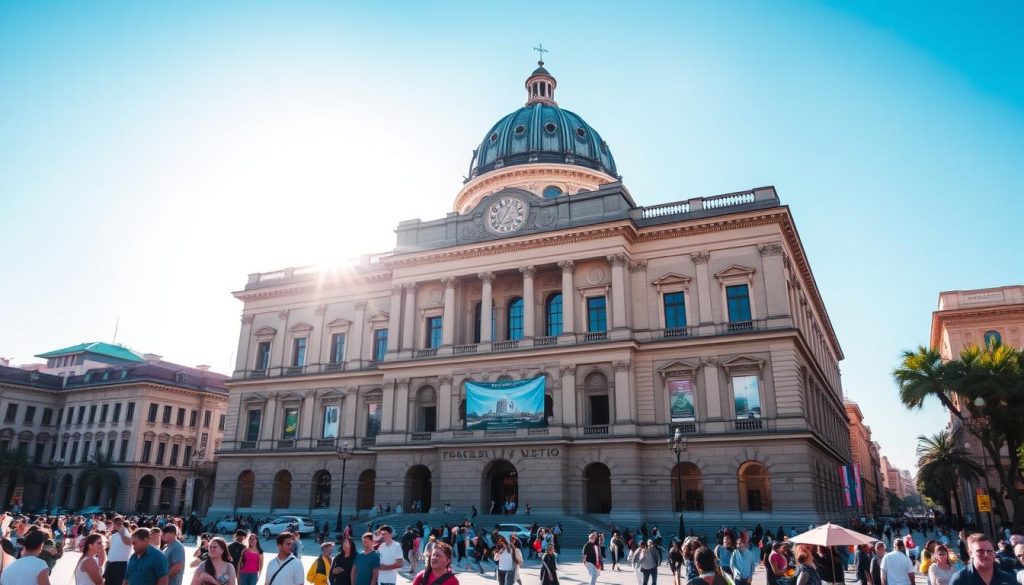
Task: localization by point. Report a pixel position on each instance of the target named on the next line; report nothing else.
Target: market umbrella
(832, 535)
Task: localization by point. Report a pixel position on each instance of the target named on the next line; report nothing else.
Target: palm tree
(101, 473)
(16, 469)
(940, 466)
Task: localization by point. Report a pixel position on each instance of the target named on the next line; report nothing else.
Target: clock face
(506, 215)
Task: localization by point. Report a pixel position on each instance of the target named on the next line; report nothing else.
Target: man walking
(743, 562)
(982, 569)
(366, 568)
(120, 551)
(147, 565)
(896, 566)
(29, 569)
(285, 569)
(390, 557)
(174, 551)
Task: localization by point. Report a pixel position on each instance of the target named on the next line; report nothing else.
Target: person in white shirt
(29, 569)
(390, 557)
(896, 566)
(285, 569)
(120, 552)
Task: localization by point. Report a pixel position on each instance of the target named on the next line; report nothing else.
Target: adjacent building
(864, 452)
(99, 408)
(699, 317)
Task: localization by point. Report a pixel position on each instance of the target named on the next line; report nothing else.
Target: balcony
(421, 437)
(749, 424)
(461, 349)
(426, 353)
(368, 441)
(337, 367)
(595, 337)
(286, 444)
(545, 341)
(505, 345)
(294, 371)
(594, 430)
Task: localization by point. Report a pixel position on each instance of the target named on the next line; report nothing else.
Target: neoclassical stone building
(700, 315)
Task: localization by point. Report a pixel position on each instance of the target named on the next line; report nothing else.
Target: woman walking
(707, 567)
(216, 570)
(439, 568)
(616, 549)
(251, 564)
(806, 572)
(549, 567)
(675, 562)
(941, 569)
(341, 566)
(88, 570)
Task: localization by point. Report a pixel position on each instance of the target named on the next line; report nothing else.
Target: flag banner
(857, 486)
(505, 405)
(847, 481)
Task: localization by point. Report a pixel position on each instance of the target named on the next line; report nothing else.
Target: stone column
(444, 403)
(349, 409)
(394, 321)
(448, 317)
(307, 419)
(568, 297)
(776, 293)
(703, 287)
(358, 329)
(486, 305)
(638, 280)
(568, 395)
(528, 301)
(618, 262)
(283, 353)
(712, 389)
(269, 414)
(244, 361)
(409, 320)
(402, 405)
(387, 414)
(623, 394)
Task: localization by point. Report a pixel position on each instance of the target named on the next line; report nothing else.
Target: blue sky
(153, 154)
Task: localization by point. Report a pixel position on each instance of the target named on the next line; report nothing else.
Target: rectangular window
(81, 414)
(130, 413)
(738, 299)
(39, 452)
(161, 450)
(23, 448)
(181, 417)
(92, 413)
(188, 456)
(74, 452)
(380, 344)
(263, 355)
(220, 422)
(12, 412)
(193, 418)
(675, 310)
(252, 425)
(680, 398)
(64, 450)
(60, 416)
(53, 451)
(124, 451)
(747, 395)
(174, 454)
(154, 409)
(206, 418)
(373, 417)
(331, 415)
(167, 414)
(85, 451)
(337, 348)
(30, 414)
(299, 352)
(104, 411)
(47, 416)
(597, 319)
(147, 449)
(599, 411)
(110, 449)
(117, 412)
(71, 415)
(429, 416)
(433, 332)
(290, 423)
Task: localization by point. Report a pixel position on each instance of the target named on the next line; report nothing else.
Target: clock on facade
(506, 215)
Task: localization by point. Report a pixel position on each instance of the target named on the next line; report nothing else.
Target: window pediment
(300, 328)
(290, 396)
(380, 317)
(266, 332)
(672, 282)
(678, 368)
(334, 393)
(735, 273)
(339, 323)
(254, 398)
(743, 362)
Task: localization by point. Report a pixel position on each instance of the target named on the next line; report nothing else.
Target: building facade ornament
(409, 287)
(770, 249)
(700, 257)
(444, 379)
(621, 366)
(396, 289)
(248, 319)
(711, 362)
(567, 369)
(449, 282)
(282, 315)
(567, 266)
(617, 259)
(360, 305)
(638, 266)
(528, 271)
(486, 277)
(321, 309)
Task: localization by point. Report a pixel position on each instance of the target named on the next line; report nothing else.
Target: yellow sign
(984, 504)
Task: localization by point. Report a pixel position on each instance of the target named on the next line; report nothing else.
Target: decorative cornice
(770, 249)
(486, 277)
(498, 179)
(700, 257)
(528, 271)
(567, 266)
(617, 259)
(567, 369)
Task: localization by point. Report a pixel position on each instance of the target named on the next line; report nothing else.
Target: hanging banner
(680, 394)
(858, 486)
(849, 476)
(505, 405)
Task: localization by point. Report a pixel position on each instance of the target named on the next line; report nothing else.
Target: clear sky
(154, 153)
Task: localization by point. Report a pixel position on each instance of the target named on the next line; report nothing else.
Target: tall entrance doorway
(417, 487)
(501, 483)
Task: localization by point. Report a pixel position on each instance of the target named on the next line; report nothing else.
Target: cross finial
(540, 53)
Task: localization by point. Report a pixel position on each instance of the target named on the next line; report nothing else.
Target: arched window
(993, 338)
(282, 494)
(553, 315)
(322, 489)
(243, 492)
(514, 324)
(755, 488)
(687, 488)
(552, 192)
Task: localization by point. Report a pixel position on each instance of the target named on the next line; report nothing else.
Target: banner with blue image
(494, 406)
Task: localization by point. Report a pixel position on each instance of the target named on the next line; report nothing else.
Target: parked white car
(521, 532)
(282, 523)
(226, 525)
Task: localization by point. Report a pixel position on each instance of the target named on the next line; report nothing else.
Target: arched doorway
(144, 495)
(597, 488)
(282, 494)
(755, 488)
(199, 497)
(243, 493)
(417, 487)
(501, 484)
(321, 497)
(364, 492)
(167, 487)
(687, 488)
(65, 491)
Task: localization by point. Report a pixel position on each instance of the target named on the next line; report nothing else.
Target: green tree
(940, 465)
(982, 384)
(100, 472)
(16, 469)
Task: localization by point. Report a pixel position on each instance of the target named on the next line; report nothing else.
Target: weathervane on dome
(540, 53)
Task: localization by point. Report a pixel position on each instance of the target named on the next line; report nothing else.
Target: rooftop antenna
(540, 53)
(117, 323)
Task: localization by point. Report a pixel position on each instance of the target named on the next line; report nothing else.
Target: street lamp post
(678, 446)
(344, 454)
(57, 463)
(979, 424)
(197, 461)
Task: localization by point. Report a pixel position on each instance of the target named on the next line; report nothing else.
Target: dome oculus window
(552, 192)
(494, 137)
(550, 127)
(604, 146)
(581, 133)
(520, 130)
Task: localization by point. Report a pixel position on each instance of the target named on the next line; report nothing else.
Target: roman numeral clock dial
(506, 215)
